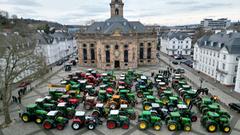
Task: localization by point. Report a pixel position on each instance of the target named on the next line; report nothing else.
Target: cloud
(186, 2)
(31, 3)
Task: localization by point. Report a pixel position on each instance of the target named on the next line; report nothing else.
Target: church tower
(116, 8)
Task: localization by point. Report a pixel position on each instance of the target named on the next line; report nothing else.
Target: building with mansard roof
(117, 43)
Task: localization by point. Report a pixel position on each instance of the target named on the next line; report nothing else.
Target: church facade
(117, 43)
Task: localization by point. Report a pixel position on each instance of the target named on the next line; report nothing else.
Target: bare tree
(19, 55)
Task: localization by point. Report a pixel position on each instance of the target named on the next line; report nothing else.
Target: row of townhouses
(217, 56)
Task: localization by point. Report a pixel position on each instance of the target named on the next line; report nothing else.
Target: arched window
(116, 47)
(141, 54)
(107, 56)
(116, 11)
(149, 50)
(126, 56)
(84, 54)
(92, 54)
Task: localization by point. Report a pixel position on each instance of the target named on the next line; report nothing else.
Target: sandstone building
(117, 43)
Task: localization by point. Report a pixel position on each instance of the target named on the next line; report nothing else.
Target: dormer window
(124, 23)
(134, 27)
(98, 28)
(108, 24)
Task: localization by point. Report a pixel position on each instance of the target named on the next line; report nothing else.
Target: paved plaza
(20, 128)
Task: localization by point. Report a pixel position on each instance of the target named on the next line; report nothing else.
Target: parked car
(175, 63)
(235, 106)
(178, 57)
(188, 63)
(180, 70)
(59, 63)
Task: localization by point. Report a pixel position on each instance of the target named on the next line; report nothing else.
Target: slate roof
(217, 41)
(116, 23)
(44, 38)
(177, 35)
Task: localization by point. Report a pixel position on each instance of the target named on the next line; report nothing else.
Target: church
(117, 43)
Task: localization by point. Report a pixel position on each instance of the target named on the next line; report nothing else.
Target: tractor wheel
(147, 107)
(226, 129)
(60, 126)
(25, 117)
(211, 127)
(125, 125)
(142, 125)
(187, 128)
(157, 126)
(139, 94)
(87, 106)
(194, 118)
(172, 126)
(91, 126)
(39, 120)
(47, 125)
(76, 125)
(111, 124)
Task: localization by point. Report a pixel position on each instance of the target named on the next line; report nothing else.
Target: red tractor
(81, 120)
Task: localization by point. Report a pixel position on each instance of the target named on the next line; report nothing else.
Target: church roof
(116, 23)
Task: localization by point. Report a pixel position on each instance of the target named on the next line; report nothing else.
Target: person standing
(19, 100)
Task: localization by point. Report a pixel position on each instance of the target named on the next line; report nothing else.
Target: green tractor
(148, 100)
(186, 112)
(65, 111)
(100, 111)
(54, 119)
(56, 93)
(146, 120)
(41, 103)
(127, 111)
(213, 121)
(142, 91)
(175, 122)
(128, 96)
(32, 113)
(115, 120)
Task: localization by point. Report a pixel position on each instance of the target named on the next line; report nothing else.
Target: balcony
(221, 71)
(171, 49)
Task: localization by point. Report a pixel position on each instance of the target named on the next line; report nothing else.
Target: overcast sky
(163, 12)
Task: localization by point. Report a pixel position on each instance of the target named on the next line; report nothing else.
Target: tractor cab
(150, 99)
(175, 116)
(182, 107)
(64, 98)
(186, 87)
(31, 108)
(89, 70)
(214, 107)
(114, 114)
(213, 115)
(53, 114)
(123, 106)
(79, 115)
(116, 98)
(121, 87)
(83, 84)
(62, 105)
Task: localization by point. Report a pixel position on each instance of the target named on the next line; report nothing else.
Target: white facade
(237, 85)
(216, 24)
(216, 63)
(58, 49)
(175, 46)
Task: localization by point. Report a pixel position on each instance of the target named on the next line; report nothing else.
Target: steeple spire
(116, 8)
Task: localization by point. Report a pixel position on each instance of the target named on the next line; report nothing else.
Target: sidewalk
(225, 93)
(37, 82)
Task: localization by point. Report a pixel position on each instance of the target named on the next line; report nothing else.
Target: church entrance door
(116, 64)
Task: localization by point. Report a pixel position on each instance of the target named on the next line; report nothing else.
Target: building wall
(133, 47)
(175, 46)
(219, 65)
(237, 85)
